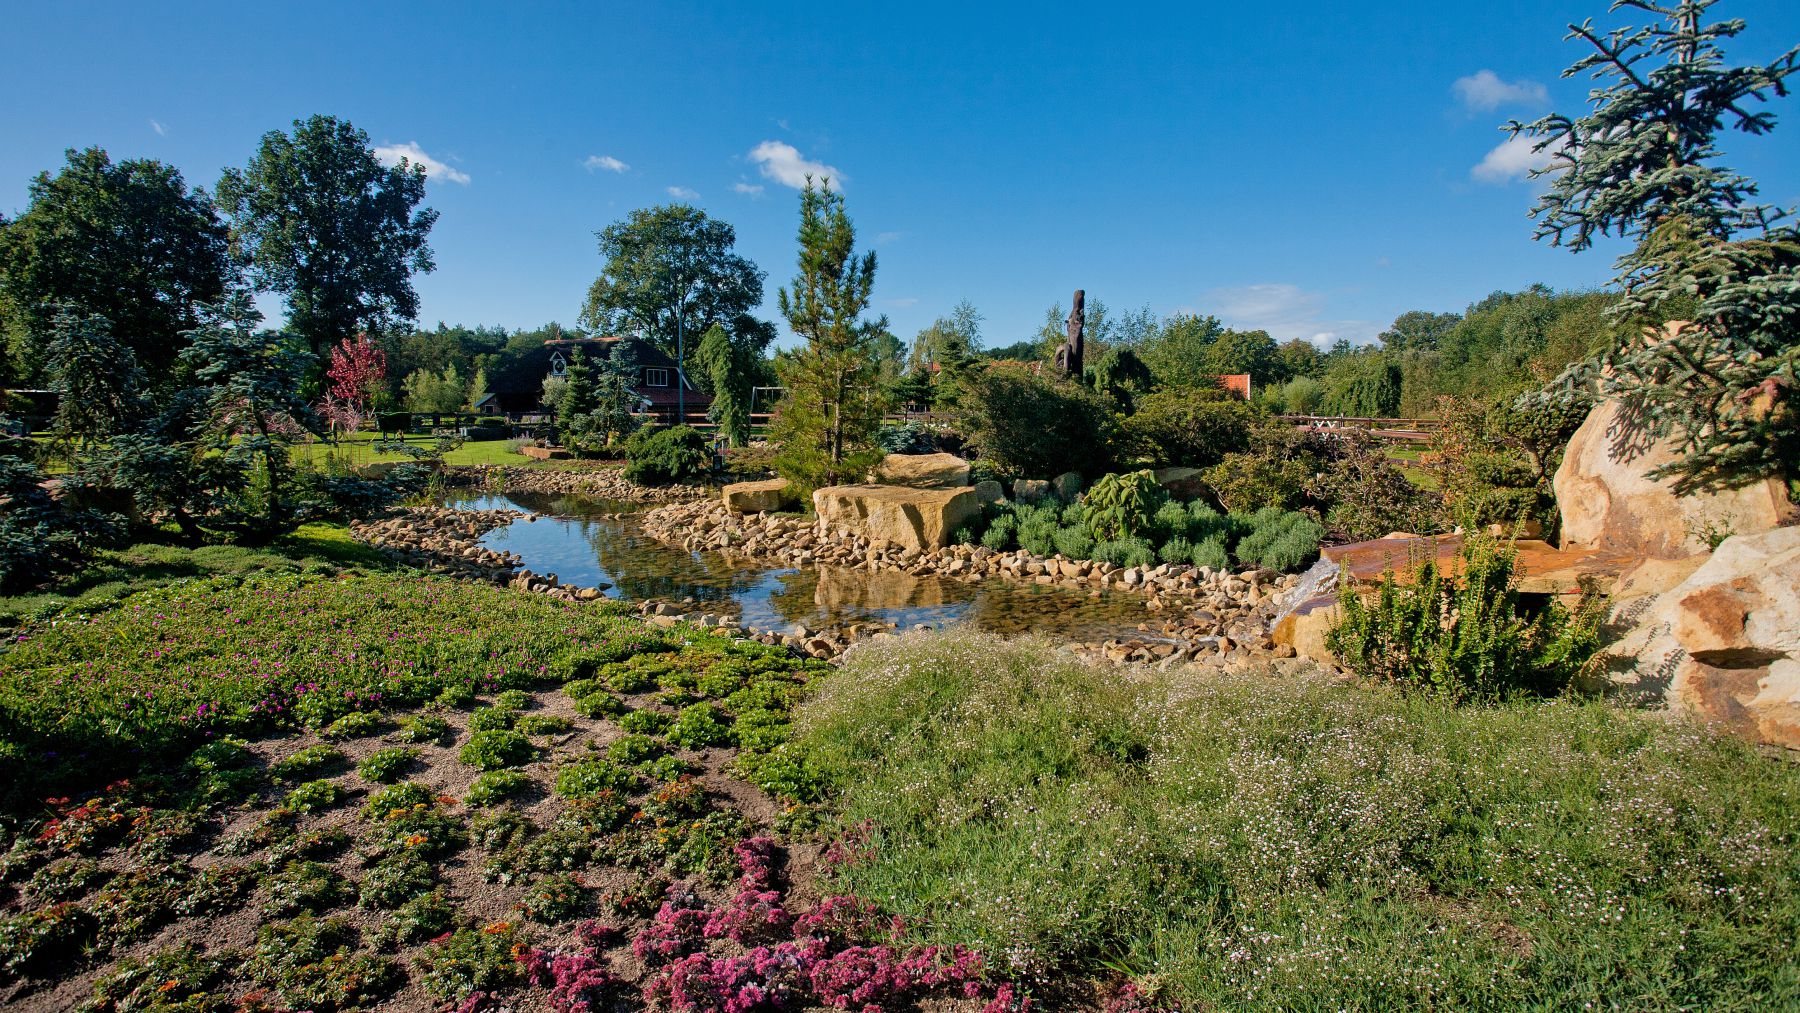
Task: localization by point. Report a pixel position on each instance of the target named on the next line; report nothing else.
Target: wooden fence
(1399, 430)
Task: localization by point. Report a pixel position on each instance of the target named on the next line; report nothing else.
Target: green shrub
(386, 765)
(1122, 505)
(421, 918)
(424, 728)
(397, 800)
(1176, 550)
(512, 699)
(178, 979)
(633, 750)
(1495, 644)
(1023, 425)
(1172, 520)
(557, 897)
(317, 964)
(314, 796)
(645, 722)
(471, 960)
(496, 748)
(599, 704)
(304, 886)
(1125, 552)
(395, 879)
(1002, 535)
(490, 718)
(494, 786)
(1211, 553)
(542, 724)
(1038, 536)
(354, 725)
(700, 726)
(589, 777)
(661, 456)
(456, 696)
(1190, 427)
(306, 764)
(1074, 542)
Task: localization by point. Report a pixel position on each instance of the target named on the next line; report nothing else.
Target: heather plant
(1467, 632)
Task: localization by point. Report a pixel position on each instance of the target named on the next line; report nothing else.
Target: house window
(656, 377)
(558, 364)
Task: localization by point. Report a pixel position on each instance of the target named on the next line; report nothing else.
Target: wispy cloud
(156, 125)
(1286, 312)
(783, 163)
(1484, 90)
(683, 193)
(901, 302)
(885, 238)
(747, 189)
(607, 162)
(391, 154)
(1512, 159)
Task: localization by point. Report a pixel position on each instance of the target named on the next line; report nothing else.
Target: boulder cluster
(1199, 611)
(442, 540)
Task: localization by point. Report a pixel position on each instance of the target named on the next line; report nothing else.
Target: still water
(585, 542)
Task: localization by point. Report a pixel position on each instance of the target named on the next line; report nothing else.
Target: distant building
(659, 382)
(1237, 383)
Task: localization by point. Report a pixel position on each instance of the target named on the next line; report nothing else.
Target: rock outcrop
(759, 497)
(923, 471)
(1609, 502)
(896, 515)
(1725, 642)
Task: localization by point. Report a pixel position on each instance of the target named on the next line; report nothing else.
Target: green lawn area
(1409, 458)
(358, 450)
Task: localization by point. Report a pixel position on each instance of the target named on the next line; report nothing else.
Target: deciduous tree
(316, 217)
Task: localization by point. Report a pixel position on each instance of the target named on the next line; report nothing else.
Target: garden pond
(586, 541)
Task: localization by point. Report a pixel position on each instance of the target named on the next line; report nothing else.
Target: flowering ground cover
(306, 792)
(1247, 843)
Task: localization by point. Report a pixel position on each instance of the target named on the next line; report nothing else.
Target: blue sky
(1310, 168)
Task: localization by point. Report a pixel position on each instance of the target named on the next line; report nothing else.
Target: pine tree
(832, 408)
(96, 377)
(728, 366)
(1642, 165)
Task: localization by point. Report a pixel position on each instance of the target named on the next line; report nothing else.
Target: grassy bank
(1237, 843)
(115, 574)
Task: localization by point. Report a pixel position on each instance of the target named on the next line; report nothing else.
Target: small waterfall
(1320, 579)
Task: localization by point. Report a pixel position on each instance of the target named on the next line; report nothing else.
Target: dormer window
(656, 377)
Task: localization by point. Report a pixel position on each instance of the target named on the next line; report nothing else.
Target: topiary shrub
(662, 456)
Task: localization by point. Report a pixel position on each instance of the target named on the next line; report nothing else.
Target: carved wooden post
(1070, 359)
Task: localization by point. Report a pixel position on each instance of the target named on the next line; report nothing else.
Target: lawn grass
(357, 450)
(1243, 843)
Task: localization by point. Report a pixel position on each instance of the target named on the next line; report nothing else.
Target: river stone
(1030, 490)
(923, 471)
(1608, 501)
(1724, 644)
(1067, 486)
(758, 497)
(896, 515)
(989, 491)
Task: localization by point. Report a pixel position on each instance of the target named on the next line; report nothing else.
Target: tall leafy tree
(951, 341)
(127, 241)
(673, 272)
(832, 408)
(316, 217)
(358, 371)
(1178, 354)
(1643, 164)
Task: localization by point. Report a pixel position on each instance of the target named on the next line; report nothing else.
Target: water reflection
(587, 541)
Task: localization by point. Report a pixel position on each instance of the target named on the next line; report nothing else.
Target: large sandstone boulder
(1725, 643)
(1608, 501)
(759, 497)
(922, 471)
(896, 515)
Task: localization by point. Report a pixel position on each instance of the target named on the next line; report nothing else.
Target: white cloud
(607, 162)
(784, 164)
(391, 154)
(747, 189)
(683, 193)
(161, 131)
(1512, 159)
(884, 238)
(1484, 90)
(902, 302)
(1286, 312)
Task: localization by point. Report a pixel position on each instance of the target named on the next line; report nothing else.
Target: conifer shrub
(662, 456)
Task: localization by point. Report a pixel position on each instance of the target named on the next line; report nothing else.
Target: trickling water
(585, 542)
(1319, 579)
